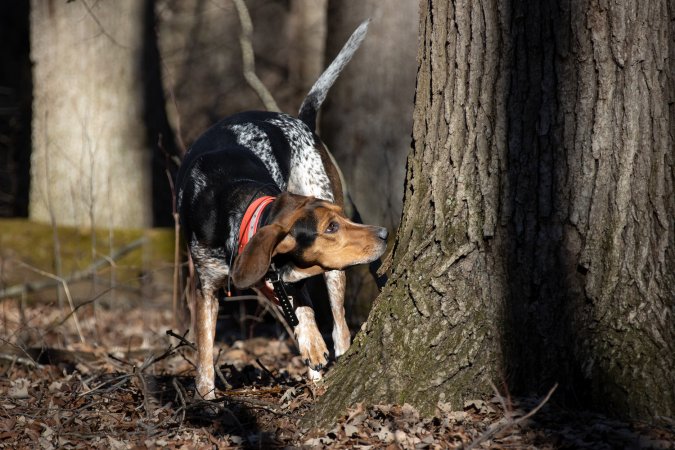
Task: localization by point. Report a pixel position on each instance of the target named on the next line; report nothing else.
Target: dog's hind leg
(205, 322)
(336, 282)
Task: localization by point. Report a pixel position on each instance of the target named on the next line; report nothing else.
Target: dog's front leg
(207, 314)
(313, 349)
(336, 282)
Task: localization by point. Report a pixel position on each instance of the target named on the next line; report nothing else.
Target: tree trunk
(367, 117)
(201, 58)
(90, 162)
(15, 108)
(537, 241)
(307, 42)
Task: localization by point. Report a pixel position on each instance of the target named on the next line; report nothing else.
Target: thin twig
(219, 373)
(182, 338)
(176, 231)
(64, 283)
(510, 422)
(253, 404)
(118, 381)
(181, 394)
(119, 360)
(269, 306)
(144, 390)
(500, 398)
(152, 359)
(56, 243)
(16, 290)
(268, 372)
(248, 58)
(101, 27)
(22, 350)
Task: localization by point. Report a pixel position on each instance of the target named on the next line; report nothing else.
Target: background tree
(89, 144)
(307, 44)
(202, 63)
(367, 118)
(537, 239)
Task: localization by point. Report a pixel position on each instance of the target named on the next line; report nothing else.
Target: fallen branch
(64, 283)
(509, 421)
(22, 289)
(17, 359)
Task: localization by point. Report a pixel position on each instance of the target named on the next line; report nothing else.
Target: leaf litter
(131, 385)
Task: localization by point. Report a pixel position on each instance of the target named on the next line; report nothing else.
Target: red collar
(249, 224)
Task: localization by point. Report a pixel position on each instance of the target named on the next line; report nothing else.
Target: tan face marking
(316, 236)
(337, 241)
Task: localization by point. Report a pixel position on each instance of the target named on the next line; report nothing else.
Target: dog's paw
(313, 350)
(314, 375)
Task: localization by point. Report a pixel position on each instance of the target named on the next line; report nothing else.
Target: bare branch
(248, 58)
(508, 421)
(64, 283)
(17, 290)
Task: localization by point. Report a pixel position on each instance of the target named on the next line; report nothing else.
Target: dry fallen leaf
(18, 388)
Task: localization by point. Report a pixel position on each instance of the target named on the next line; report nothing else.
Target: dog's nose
(382, 233)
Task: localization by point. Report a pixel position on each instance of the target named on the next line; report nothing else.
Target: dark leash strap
(285, 300)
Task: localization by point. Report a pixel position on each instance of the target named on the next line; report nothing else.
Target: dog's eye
(332, 227)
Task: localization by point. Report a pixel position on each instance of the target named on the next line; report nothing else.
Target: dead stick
(17, 290)
(510, 422)
(262, 366)
(248, 58)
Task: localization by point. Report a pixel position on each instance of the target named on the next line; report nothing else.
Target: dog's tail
(312, 103)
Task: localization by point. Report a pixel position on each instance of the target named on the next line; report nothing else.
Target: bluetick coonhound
(260, 189)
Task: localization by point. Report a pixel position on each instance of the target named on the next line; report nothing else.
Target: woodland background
(535, 250)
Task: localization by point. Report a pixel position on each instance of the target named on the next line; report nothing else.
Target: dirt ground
(122, 381)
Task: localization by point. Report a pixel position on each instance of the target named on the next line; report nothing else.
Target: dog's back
(274, 150)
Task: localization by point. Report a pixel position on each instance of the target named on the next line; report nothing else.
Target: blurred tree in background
(119, 84)
(90, 159)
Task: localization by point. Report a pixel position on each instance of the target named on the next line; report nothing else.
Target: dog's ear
(252, 264)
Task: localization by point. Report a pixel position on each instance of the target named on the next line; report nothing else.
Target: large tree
(537, 239)
(90, 159)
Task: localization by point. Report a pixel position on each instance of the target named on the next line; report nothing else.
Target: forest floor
(122, 382)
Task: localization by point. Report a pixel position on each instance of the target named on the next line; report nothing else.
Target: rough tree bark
(89, 145)
(537, 239)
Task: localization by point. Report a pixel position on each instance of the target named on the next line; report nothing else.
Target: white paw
(314, 375)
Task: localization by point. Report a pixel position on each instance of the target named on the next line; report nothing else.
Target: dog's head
(314, 235)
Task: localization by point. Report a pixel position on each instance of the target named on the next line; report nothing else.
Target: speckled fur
(308, 175)
(250, 136)
(253, 154)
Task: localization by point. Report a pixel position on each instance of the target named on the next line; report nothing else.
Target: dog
(259, 190)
